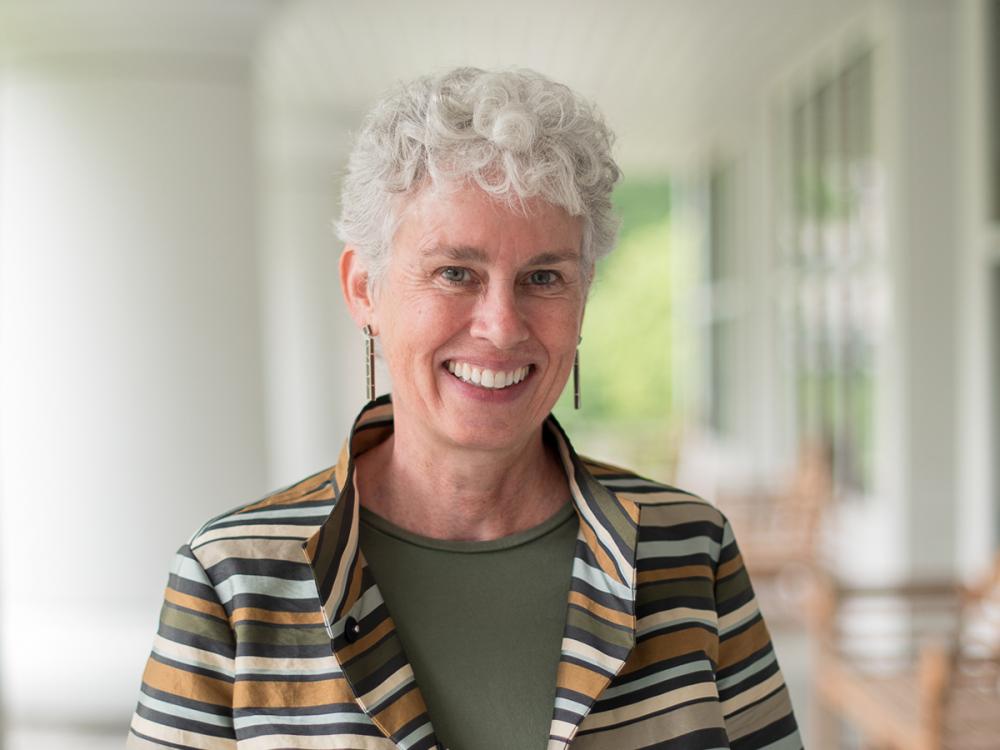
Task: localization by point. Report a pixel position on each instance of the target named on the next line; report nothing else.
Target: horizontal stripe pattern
(242, 658)
(703, 661)
(273, 633)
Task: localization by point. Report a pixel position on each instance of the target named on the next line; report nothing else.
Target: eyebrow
(468, 253)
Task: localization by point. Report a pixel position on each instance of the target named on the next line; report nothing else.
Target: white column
(314, 352)
(131, 394)
(924, 154)
(978, 326)
(314, 356)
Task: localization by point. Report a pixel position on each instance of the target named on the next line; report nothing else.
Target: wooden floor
(37, 738)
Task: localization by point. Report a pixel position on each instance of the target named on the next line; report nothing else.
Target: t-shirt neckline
(385, 526)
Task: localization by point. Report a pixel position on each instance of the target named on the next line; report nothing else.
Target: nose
(498, 318)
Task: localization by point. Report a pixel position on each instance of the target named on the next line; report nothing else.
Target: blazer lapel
(363, 636)
(600, 616)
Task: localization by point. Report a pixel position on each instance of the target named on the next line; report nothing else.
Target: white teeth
(486, 378)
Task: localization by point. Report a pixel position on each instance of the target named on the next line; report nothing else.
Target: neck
(460, 493)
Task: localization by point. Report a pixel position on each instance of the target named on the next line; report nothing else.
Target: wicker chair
(914, 667)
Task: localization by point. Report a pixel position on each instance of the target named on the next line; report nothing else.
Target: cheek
(558, 329)
(417, 328)
(447, 313)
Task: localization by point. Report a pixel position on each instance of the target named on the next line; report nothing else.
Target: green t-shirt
(481, 623)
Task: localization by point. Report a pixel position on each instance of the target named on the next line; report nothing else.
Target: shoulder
(289, 515)
(671, 521)
(649, 494)
(249, 562)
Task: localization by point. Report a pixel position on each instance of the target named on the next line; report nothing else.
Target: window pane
(834, 206)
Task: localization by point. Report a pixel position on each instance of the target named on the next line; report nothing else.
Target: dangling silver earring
(369, 362)
(576, 378)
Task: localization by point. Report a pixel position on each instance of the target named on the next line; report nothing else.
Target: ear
(354, 285)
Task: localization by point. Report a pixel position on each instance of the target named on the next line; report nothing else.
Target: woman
(461, 578)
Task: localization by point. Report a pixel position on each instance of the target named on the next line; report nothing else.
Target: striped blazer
(273, 633)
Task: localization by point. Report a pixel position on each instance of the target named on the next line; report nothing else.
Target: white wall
(930, 508)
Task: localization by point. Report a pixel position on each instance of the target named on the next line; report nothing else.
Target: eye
(456, 275)
(543, 278)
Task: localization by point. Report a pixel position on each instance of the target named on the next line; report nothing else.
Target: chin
(489, 435)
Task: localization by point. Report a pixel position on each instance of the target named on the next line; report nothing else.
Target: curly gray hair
(516, 134)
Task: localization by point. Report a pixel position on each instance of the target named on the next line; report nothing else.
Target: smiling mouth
(485, 377)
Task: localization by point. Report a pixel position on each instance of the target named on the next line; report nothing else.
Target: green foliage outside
(625, 356)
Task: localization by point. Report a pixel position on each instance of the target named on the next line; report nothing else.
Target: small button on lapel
(351, 630)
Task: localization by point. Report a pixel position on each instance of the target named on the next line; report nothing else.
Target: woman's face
(479, 316)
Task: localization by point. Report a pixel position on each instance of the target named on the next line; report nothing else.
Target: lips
(485, 377)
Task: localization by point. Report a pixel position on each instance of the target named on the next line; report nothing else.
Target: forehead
(468, 223)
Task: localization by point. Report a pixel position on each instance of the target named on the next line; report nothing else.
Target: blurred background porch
(801, 322)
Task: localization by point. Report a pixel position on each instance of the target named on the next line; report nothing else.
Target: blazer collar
(600, 619)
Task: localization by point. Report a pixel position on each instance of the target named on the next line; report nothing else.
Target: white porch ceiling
(668, 74)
